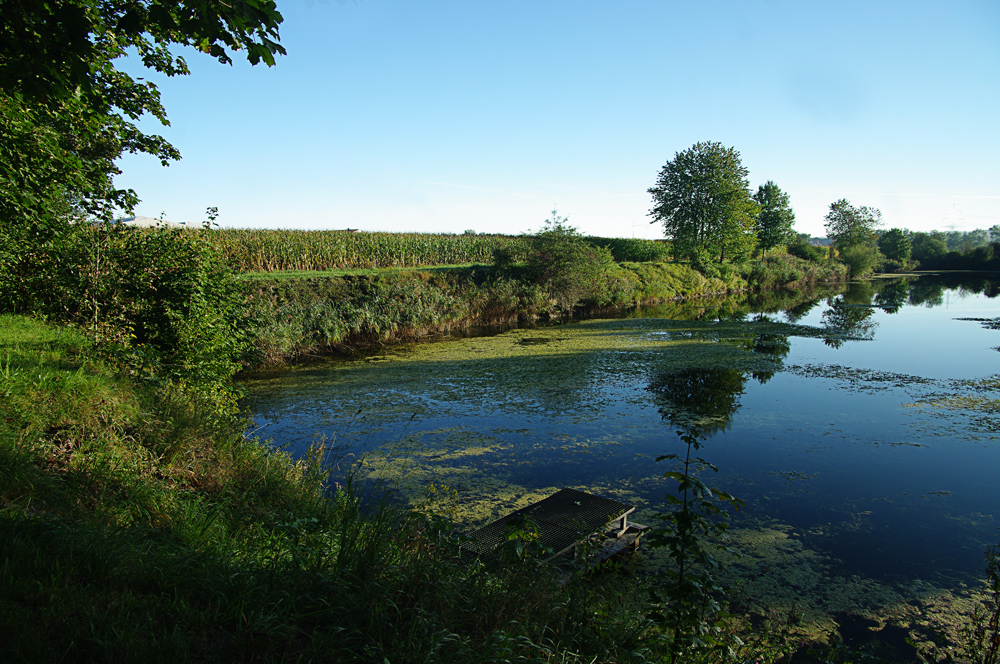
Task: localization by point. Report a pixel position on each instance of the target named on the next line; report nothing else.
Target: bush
(633, 250)
(568, 267)
(159, 300)
(860, 259)
(889, 265)
(801, 248)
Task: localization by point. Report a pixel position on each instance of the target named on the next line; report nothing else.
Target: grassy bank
(137, 523)
(133, 528)
(287, 317)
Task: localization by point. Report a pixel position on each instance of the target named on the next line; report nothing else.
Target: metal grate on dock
(563, 519)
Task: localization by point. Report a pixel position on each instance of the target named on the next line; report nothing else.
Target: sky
(441, 116)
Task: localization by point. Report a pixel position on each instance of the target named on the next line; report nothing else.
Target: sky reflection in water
(816, 416)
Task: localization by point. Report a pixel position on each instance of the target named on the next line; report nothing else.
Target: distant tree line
(703, 200)
(954, 250)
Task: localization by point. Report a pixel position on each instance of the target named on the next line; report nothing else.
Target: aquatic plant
(687, 598)
(982, 634)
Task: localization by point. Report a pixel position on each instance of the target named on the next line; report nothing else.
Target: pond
(861, 427)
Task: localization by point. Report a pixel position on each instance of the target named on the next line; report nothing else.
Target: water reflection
(702, 401)
(892, 295)
(851, 420)
(699, 401)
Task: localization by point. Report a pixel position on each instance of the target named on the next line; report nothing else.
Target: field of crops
(249, 250)
(275, 250)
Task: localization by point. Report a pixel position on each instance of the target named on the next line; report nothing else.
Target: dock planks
(564, 519)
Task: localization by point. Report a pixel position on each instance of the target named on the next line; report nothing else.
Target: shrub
(801, 248)
(571, 269)
(860, 259)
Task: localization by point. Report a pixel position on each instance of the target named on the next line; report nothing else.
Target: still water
(861, 428)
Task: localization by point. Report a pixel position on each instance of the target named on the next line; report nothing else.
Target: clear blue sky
(441, 116)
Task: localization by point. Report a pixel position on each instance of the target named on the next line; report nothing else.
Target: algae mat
(860, 429)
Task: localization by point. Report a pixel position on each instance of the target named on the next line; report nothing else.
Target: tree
(774, 223)
(928, 248)
(895, 245)
(68, 113)
(799, 245)
(703, 200)
(849, 226)
(854, 232)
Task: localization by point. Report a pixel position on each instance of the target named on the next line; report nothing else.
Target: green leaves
(774, 223)
(849, 226)
(702, 198)
(67, 113)
(895, 245)
(686, 599)
(567, 266)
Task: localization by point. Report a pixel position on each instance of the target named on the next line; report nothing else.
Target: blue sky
(437, 116)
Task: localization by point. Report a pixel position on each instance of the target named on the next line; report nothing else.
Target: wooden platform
(564, 519)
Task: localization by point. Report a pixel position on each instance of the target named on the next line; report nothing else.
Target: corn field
(255, 250)
(250, 250)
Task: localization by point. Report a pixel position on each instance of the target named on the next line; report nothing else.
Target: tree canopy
(854, 232)
(702, 198)
(66, 110)
(774, 223)
(850, 226)
(895, 245)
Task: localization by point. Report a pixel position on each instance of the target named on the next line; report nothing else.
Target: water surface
(860, 428)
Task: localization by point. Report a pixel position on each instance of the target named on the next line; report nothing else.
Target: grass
(137, 527)
(295, 313)
(133, 530)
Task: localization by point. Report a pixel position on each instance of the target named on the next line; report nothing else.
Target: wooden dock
(565, 519)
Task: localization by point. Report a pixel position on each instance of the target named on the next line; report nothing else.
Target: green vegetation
(895, 245)
(686, 598)
(956, 250)
(854, 234)
(134, 528)
(775, 220)
(800, 247)
(271, 251)
(569, 269)
(283, 250)
(139, 523)
(289, 317)
(703, 200)
(67, 112)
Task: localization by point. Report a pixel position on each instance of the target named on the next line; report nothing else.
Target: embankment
(290, 317)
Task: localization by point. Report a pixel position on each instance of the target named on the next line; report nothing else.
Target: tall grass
(289, 317)
(132, 531)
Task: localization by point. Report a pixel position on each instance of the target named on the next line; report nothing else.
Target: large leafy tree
(67, 111)
(854, 232)
(850, 226)
(928, 248)
(895, 245)
(774, 223)
(702, 198)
